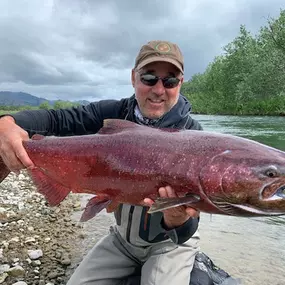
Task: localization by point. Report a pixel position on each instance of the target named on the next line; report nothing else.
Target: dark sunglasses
(150, 80)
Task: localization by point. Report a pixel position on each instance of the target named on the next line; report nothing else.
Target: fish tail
(4, 170)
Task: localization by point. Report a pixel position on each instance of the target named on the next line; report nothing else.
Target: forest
(248, 78)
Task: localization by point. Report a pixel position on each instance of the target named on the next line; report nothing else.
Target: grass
(7, 112)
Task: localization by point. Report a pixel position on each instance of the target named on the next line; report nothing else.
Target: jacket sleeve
(80, 120)
(195, 125)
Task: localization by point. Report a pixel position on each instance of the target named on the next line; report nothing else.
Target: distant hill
(8, 98)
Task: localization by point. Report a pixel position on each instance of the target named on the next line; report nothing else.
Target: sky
(85, 49)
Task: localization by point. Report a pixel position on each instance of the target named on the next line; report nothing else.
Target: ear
(181, 81)
(133, 77)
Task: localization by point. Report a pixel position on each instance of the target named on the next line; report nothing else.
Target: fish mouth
(278, 194)
(255, 211)
(246, 210)
(281, 191)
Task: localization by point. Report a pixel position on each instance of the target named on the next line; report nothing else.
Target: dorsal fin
(113, 126)
(171, 130)
(37, 137)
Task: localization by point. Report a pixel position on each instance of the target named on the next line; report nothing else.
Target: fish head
(247, 181)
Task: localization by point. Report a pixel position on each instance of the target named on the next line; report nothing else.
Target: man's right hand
(12, 151)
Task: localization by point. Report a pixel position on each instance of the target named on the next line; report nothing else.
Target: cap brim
(159, 58)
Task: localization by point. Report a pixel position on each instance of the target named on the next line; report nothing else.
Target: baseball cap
(160, 51)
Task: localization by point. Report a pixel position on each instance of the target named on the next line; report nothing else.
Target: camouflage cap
(160, 51)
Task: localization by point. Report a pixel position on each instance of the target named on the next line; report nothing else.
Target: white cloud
(85, 49)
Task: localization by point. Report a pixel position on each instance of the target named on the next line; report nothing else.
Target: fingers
(22, 156)
(148, 202)
(167, 192)
(164, 192)
(12, 162)
(16, 158)
(192, 212)
(12, 151)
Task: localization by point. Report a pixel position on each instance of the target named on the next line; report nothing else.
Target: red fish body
(126, 162)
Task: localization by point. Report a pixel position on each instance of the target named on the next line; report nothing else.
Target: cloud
(85, 49)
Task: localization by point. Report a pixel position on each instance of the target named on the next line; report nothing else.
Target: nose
(158, 88)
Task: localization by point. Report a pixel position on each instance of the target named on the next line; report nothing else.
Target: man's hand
(12, 151)
(173, 217)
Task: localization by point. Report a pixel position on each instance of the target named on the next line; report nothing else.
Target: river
(250, 248)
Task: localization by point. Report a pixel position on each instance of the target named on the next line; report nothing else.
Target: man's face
(154, 101)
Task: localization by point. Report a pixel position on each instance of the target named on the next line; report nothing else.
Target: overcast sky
(85, 49)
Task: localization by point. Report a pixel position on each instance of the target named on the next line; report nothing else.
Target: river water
(250, 248)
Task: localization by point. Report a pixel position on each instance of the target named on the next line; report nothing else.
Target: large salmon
(126, 162)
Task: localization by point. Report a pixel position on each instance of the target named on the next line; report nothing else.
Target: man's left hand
(173, 217)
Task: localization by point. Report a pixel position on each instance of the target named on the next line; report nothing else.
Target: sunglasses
(168, 82)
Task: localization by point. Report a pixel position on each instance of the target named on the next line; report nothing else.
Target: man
(139, 243)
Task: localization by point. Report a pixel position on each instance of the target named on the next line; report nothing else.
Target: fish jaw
(249, 210)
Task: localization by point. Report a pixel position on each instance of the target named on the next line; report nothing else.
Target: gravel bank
(38, 243)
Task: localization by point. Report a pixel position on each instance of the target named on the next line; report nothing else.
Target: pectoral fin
(161, 204)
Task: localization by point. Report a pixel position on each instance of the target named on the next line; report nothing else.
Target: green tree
(248, 78)
(59, 104)
(45, 105)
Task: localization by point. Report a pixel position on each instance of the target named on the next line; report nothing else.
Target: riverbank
(37, 241)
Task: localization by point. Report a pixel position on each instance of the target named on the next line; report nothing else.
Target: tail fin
(4, 170)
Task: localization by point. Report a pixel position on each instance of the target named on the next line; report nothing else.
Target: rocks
(36, 263)
(7, 216)
(16, 271)
(4, 268)
(6, 271)
(65, 259)
(30, 240)
(3, 277)
(37, 241)
(55, 273)
(35, 254)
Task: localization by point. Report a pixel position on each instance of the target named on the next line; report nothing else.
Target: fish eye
(271, 172)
